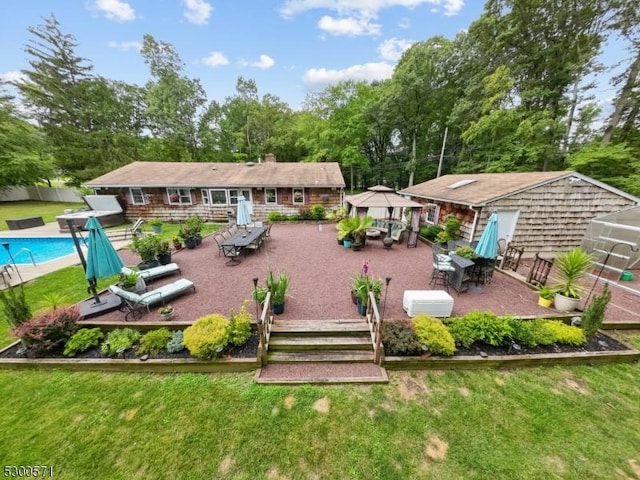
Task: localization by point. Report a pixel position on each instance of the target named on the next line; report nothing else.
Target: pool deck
(28, 271)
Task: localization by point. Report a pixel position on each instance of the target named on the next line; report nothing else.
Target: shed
(540, 211)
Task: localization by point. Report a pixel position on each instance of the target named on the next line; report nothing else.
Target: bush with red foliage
(48, 329)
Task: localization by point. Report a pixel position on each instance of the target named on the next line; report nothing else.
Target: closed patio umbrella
(243, 217)
(102, 258)
(488, 244)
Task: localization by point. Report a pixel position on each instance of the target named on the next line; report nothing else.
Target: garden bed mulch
(241, 358)
(601, 348)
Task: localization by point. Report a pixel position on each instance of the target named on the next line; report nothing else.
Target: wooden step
(322, 373)
(335, 356)
(319, 327)
(306, 343)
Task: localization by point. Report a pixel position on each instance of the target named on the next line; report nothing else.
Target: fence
(45, 194)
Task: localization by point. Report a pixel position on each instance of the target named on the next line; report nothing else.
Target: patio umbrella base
(108, 303)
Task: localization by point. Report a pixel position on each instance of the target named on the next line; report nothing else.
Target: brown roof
(380, 196)
(480, 188)
(192, 174)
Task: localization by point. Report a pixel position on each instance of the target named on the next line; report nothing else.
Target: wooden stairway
(321, 351)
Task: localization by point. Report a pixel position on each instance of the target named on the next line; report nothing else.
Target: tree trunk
(572, 111)
(412, 168)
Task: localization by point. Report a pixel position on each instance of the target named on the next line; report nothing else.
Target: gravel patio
(321, 272)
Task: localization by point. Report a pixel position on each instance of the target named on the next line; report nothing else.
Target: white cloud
(352, 26)
(368, 72)
(392, 49)
(13, 77)
(115, 10)
(265, 62)
(125, 46)
(215, 59)
(197, 11)
(291, 8)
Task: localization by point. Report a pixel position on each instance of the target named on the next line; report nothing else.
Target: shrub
(434, 335)
(82, 340)
(176, 344)
(154, 341)
(317, 212)
(593, 315)
(16, 308)
(399, 338)
(545, 332)
(48, 329)
(484, 327)
(430, 232)
(240, 325)
(562, 333)
(304, 213)
(207, 337)
(275, 216)
(119, 340)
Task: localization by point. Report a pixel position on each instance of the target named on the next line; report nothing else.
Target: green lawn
(29, 208)
(568, 423)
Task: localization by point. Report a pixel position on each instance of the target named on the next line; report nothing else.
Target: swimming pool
(43, 249)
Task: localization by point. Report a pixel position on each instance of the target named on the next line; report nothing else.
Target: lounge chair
(155, 272)
(134, 303)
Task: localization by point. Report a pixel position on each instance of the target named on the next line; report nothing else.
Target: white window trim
(240, 192)
(226, 197)
(205, 196)
(293, 196)
(133, 198)
(436, 211)
(275, 190)
(180, 192)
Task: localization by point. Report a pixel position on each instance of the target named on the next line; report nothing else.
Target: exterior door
(507, 220)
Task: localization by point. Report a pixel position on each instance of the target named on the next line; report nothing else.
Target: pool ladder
(30, 255)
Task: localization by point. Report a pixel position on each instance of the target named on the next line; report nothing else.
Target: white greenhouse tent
(614, 240)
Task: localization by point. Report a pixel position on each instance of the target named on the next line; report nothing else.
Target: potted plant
(164, 253)
(166, 312)
(147, 247)
(466, 251)
(345, 227)
(156, 225)
(132, 282)
(361, 285)
(360, 232)
(545, 296)
(571, 267)
(277, 285)
(177, 243)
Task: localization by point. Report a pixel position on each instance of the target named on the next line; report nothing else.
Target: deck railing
(265, 323)
(374, 321)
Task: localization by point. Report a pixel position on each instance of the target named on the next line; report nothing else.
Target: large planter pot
(148, 265)
(156, 228)
(356, 247)
(167, 316)
(354, 297)
(278, 308)
(362, 308)
(191, 243)
(346, 243)
(565, 304)
(164, 259)
(341, 241)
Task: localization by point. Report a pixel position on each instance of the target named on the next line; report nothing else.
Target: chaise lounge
(155, 272)
(133, 303)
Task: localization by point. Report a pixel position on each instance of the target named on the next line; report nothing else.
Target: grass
(569, 423)
(29, 208)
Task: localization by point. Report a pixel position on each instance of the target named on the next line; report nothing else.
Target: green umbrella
(102, 258)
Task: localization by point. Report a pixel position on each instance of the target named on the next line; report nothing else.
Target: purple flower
(365, 267)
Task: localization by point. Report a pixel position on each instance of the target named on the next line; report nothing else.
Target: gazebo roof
(380, 196)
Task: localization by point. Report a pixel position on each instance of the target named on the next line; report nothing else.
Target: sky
(289, 47)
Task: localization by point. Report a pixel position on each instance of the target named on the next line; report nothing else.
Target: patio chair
(134, 304)
(219, 242)
(442, 268)
(267, 232)
(155, 272)
(395, 231)
(232, 253)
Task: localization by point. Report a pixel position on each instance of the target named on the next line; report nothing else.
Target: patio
(321, 272)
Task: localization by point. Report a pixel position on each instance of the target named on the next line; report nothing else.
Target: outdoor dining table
(459, 278)
(244, 237)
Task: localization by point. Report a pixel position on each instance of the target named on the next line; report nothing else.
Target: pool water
(43, 249)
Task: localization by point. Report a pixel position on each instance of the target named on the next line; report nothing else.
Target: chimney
(269, 158)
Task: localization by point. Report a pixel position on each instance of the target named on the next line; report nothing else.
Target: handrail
(374, 320)
(24, 249)
(265, 323)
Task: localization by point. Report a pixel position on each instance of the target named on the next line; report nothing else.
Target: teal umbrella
(102, 258)
(488, 244)
(243, 217)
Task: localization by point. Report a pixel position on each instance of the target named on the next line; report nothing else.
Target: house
(173, 191)
(540, 211)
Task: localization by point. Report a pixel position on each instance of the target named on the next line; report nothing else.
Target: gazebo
(380, 199)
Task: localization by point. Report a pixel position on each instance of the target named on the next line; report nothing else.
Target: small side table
(373, 233)
(387, 242)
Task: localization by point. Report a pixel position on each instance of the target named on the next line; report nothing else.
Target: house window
(234, 194)
(137, 197)
(298, 196)
(179, 196)
(216, 197)
(431, 213)
(270, 196)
